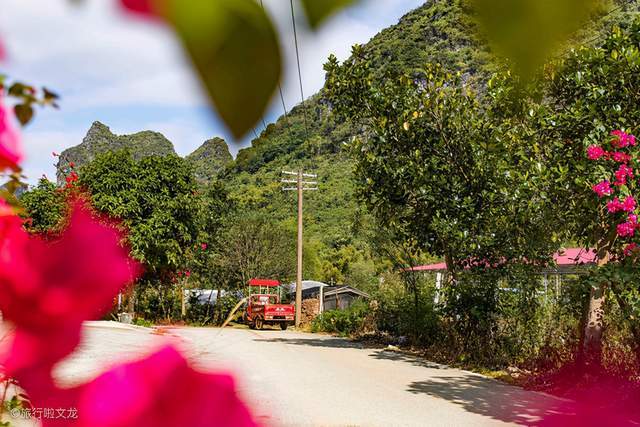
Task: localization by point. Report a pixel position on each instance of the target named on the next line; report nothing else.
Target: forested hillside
(309, 137)
(439, 32)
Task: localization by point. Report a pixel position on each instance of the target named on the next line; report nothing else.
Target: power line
(286, 117)
(295, 38)
(284, 108)
(599, 36)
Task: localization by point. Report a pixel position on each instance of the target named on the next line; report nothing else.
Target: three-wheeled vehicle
(264, 307)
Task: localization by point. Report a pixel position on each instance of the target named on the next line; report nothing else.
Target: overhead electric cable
(284, 108)
(599, 36)
(295, 39)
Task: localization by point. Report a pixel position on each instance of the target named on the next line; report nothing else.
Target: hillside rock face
(207, 161)
(210, 159)
(100, 139)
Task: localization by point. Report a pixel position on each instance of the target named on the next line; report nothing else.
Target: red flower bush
(623, 206)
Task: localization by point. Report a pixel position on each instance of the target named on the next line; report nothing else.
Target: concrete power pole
(301, 187)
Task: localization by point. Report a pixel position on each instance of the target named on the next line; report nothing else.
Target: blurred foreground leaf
(24, 113)
(235, 49)
(318, 11)
(528, 31)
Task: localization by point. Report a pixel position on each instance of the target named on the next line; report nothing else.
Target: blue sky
(133, 76)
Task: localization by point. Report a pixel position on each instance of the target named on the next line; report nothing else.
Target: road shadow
(315, 342)
(378, 354)
(397, 356)
(492, 399)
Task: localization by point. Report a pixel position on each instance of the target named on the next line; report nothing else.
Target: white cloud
(98, 59)
(39, 146)
(93, 53)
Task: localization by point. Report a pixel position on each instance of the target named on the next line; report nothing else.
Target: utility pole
(301, 187)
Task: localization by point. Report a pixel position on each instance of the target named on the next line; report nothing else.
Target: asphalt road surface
(299, 379)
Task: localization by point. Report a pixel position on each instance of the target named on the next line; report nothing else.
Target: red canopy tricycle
(264, 307)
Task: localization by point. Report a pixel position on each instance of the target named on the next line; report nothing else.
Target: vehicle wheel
(284, 326)
(259, 323)
(252, 325)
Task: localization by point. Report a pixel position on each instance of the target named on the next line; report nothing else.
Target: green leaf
(528, 31)
(235, 49)
(318, 11)
(24, 113)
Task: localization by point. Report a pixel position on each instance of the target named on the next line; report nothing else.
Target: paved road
(300, 379)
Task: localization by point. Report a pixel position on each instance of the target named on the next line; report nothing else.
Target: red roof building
(566, 262)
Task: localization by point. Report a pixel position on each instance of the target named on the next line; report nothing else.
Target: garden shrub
(398, 315)
(343, 322)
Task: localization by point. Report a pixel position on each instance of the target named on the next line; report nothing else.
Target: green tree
(44, 207)
(257, 247)
(155, 200)
(593, 91)
(432, 166)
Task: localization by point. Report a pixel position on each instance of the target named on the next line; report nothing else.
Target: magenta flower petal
(50, 288)
(11, 153)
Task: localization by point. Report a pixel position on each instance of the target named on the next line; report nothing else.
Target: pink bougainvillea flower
(145, 8)
(614, 205)
(594, 152)
(602, 188)
(9, 222)
(11, 153)
(629, 204)
(160, 390)
(626, 229)
(622, 174)
(50, 288)
(628, 250)
(620, 157)
(622, 139)
(619, 134)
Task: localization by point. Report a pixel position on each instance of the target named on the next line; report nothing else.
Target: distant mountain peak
(210, 159)
(100, 139)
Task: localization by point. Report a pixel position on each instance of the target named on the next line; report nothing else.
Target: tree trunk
(132, 301)
(451, 273)
(592, 342)
(183, 303)
(218, 307)
(590, 355)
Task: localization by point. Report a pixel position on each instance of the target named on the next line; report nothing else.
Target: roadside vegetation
(463, 160)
